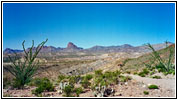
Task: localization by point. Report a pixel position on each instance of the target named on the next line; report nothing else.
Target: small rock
(149, 84)
(5, 90)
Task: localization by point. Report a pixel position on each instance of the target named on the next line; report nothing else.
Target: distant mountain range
(71, 47)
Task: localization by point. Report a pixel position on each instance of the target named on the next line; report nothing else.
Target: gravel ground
(166, 84)
(132, 88)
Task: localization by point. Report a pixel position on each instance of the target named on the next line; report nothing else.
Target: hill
(136, 64)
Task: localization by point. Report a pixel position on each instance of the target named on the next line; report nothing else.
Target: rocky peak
(70, 45)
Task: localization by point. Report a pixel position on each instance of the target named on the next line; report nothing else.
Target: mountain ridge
(71, 47)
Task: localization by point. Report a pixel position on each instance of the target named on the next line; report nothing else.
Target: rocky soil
(132, 88)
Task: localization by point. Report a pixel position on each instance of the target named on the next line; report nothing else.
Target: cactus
(62, 86)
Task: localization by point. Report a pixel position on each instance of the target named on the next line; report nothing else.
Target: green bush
(89, 77)
(6, 82)
(85, 83)
(68, 90)
(117, 73)
(17, 83)
(135, 73)
(38, 90)
(122, 79)
(78, 91)
(73, 79)
(153, 68)
(98, 72)
(172, 71)
(146, 92)
(145, 71)
(105, 79)
(142, 74)
(156, 77)
(43, 84)
(35, 82)
(125, 78)
(160, 67)
(151, 73)
(153, 87)
(61, 77)
(23, 71)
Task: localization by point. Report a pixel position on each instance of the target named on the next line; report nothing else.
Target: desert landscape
(113, 71)
(77, 49)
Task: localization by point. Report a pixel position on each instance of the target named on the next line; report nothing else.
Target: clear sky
(87, 24)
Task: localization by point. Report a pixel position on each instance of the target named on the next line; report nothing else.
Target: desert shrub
(73, 79)
(35, 82)
(112, 77)
(105, 79)
(145, 71)
(122, 79)
(165, 73)
(61, 77)
(152, 68)
(142, 74)
(89, 77)
(171, 71)
(98, 79)
(23, 71)
(160, 67)
(117, 72)
(145, 92)
(43, 85)
(17, 83)
(85, 83)
(38, 91)
(98, 73)
(6, 82)
(68, 90)
(151, 73)
(156, 77)
(78, 91)
(125, 78)
(153, 87)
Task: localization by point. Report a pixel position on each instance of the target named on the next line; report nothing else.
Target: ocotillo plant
(165, 65)
(23, 71)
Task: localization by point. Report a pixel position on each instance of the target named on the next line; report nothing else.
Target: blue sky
(87, 24)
